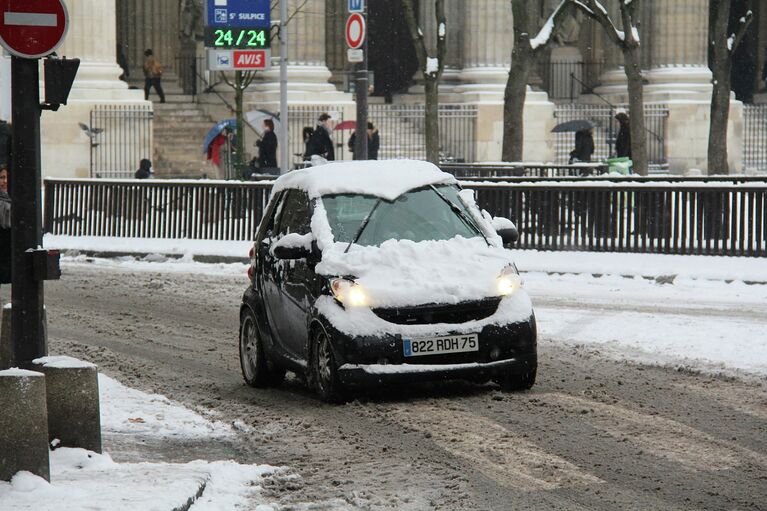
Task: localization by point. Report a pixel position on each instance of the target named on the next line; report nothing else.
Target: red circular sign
(32, 28)
(355, 31)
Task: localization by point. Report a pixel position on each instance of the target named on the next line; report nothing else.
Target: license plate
(440, 345)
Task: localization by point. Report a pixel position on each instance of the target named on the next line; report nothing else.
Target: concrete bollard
(23, 424)
(72, 388)
(6, 345)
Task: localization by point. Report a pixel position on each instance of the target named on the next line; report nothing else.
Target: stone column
(144, 24)
(92, 39)
(307, 73)
(487, 44)
(335, 47)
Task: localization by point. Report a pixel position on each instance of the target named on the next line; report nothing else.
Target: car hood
(404, 273)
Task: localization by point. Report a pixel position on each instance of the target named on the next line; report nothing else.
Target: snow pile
(63, 362)
(385, 179)
(186, 247)
(129, 411)
(82, 480)
(15, 372)
(432, 66)
(293, 240)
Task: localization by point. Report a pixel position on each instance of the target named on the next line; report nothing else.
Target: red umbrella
(346, 125)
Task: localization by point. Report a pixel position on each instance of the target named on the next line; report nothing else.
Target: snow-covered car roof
(386, 179)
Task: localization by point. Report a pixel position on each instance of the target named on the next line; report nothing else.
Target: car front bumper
(367, 374)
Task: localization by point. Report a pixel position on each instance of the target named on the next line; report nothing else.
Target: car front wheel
(256, 369)
(324, 370)
(524, 381)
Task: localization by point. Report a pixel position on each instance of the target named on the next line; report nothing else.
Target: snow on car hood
(403, 273)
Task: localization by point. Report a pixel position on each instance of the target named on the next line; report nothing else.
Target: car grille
(427, 314)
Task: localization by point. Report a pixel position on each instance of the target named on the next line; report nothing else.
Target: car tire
(516, 382)
(324, 371)
(257, 370)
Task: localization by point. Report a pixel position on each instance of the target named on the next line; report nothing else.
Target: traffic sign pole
(357, 38)
(26, 232)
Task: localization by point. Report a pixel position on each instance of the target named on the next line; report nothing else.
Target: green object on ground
(622, 165)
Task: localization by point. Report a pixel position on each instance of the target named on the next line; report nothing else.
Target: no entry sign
(32, 28)
(355, 31)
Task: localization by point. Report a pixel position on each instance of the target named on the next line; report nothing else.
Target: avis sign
(238, 60)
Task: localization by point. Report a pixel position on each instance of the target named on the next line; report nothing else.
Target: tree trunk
(431, 118)
(636, 109)
(720, 98)
(514, 110)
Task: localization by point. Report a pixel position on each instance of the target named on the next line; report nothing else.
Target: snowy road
(596, 432)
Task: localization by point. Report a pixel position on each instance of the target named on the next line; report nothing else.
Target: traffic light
(59, 77)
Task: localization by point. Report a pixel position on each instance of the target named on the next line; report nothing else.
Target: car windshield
(430, 213)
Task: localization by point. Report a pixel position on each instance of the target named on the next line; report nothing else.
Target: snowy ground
(642, 307)
(84, 480)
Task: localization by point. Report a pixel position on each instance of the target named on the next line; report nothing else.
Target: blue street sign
(238, 13)
(356, 5)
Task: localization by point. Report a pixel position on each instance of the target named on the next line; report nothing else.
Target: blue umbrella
(215, 130)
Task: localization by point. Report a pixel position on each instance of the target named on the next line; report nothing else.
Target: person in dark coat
(374, 142)
(321, 142)
(5, 228)
(5, 144)
(144, 169)
(267, 147)
(584, 146)
(623, 141)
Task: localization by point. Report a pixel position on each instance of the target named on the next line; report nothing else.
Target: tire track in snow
(664, 438)
(499, 453)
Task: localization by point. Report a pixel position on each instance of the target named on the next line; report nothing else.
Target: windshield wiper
(362, 226)
(461, 214)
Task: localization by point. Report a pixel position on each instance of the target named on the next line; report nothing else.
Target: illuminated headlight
(508, 281)
(349, 293)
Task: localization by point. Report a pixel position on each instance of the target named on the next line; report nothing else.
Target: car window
(295, 213)
(417, 215)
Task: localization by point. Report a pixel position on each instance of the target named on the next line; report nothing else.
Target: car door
(293, 278)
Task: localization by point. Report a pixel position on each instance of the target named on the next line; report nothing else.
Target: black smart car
(372, 272)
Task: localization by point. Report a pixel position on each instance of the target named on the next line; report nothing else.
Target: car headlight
(508, 281)
(349, 293)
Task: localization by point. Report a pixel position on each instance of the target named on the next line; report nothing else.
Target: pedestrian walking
(267, 146)
(152, 75)
(5, 228)
(144, 169)
(374, 141)
(623, 141)
(584, 146)
(321, 141)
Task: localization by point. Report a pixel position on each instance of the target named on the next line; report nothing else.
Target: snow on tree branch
(544, 35)
(736, 37)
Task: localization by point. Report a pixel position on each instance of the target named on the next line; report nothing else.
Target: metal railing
(120, 136)
(657, 216)
(607, 129)
(755, 137)
(568, 80)
(522, 170)
(402, 131)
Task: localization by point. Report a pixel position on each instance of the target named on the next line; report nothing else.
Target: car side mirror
(295, 246)
(509, 235)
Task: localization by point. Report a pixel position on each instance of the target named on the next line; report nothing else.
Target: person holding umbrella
(374, 141)
(321, 142)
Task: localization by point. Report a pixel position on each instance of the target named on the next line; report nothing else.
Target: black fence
(192, 74)
(512, 170)
(120, 136)
(716, 218)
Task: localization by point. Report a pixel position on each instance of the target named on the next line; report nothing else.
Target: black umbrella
(577, 125)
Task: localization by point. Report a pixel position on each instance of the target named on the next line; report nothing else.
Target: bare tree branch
(543, 37)
(743, 25)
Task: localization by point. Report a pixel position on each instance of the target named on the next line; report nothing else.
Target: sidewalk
(651, 266)
(130, 419)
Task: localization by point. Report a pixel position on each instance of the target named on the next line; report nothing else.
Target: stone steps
(180, 127)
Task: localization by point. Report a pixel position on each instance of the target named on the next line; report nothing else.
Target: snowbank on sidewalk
(84, 481)
(179, 247)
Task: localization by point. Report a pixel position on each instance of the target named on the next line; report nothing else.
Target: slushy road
(596, 432)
